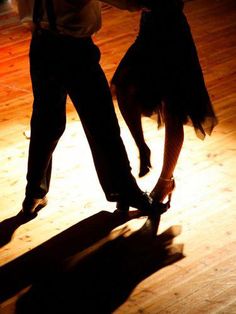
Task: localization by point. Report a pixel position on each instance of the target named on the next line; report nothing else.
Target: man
(65, 61)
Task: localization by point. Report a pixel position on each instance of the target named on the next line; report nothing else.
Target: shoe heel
(165, 206)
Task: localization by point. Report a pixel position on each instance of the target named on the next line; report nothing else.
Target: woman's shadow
(99, 277)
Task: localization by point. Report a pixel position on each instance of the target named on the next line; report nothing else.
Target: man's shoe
(31, 206)
(141, 201)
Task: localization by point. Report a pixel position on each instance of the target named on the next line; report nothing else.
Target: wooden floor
(204, 202)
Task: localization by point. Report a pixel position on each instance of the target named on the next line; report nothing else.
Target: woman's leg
(132, 115)
(174, 137)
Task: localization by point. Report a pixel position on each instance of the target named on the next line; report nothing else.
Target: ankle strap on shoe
(166, 180)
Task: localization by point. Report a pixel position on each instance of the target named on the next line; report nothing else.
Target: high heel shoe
(145, 163)
(163, 189)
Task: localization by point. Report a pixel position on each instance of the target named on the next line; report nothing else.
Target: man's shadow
(91, 267)
(9, 226)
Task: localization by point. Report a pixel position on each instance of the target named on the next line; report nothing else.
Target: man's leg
(90, 93)
(47, 121)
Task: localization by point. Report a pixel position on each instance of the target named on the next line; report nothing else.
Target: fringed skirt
(162, 66)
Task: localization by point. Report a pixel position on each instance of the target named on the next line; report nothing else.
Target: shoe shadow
(92, 267)
(9, 226)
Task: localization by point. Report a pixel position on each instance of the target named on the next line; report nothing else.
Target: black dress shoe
(31, 206)
(141, 201)
(160, 208)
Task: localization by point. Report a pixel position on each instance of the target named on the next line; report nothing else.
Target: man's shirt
(78, 18)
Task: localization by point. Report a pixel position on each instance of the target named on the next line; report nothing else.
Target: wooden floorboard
(204, 202)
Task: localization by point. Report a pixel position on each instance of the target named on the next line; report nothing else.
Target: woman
(161, 73)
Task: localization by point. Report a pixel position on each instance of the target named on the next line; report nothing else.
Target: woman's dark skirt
(162, 66)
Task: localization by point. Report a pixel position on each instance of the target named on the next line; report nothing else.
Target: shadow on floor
(91, 267)
(9, 226)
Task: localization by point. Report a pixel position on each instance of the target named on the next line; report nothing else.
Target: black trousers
(61, 66)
